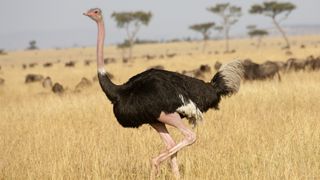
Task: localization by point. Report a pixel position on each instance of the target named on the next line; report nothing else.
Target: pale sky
(60, 23)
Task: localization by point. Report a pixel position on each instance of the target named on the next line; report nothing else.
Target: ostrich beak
(86, 14)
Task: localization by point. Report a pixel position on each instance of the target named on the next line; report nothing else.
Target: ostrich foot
(154, 168)
(175, 170)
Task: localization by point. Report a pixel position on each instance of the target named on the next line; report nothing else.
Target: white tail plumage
(227, 79)
(232, 74)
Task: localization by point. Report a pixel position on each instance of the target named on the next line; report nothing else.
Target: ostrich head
(95, 14)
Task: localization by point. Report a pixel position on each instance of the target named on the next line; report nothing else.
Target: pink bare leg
(175, 121)
(164, 134)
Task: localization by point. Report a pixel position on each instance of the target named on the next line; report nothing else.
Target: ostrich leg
(165, 136)
(190, 137)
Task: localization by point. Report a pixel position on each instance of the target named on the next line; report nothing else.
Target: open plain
(269, 130)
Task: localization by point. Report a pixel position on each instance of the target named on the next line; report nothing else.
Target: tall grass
(269, 130)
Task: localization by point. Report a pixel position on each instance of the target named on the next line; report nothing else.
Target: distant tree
(219, 29)
(123, 47)
(259, 33)
(230, 15)
(204, 29)
(273, 9)
(2, 52)
(251, 27)
(131, 22)
(32, 45)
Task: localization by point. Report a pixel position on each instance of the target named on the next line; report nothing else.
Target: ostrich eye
(96, 12)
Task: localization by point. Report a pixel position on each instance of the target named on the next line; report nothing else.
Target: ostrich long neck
(100, 46)
(109, 88)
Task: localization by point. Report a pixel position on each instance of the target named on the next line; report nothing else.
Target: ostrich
(159, 98)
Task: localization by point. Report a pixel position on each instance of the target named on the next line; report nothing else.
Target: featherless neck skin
(100, 46)
(109, 88)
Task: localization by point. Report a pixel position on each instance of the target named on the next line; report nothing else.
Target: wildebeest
(31, 65)
(70, 64)
(57, 88)
(295, 64)
(217, 65)
(48, 64)
(205, 68)
(171, 55)
(125, 60)
(254, 71)
(149, 57)
(33, 78)
(157, 67)
(313, 63)
(161, 56)
(233, 51)
(199, 72)
(109, 60)
(2, 81)
(87, 62)
(47, 82)
(83, 83)
(289, 53)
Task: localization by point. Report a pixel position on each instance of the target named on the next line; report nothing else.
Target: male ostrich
(159, 98)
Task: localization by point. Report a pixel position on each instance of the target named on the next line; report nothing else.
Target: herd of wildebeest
(266, 70)
(253, 71)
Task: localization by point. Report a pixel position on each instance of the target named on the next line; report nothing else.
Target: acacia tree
(131, 22)
(2, 52)
(204, 29)
(273, 9)
(259, 33)
(123, 47)
(230, 15)
(32, 45)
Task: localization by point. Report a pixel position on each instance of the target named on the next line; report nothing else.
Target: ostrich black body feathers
(142, 99)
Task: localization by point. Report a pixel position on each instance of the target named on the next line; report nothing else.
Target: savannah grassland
(269, 130)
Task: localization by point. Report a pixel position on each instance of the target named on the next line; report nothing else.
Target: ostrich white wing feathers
(190, 110)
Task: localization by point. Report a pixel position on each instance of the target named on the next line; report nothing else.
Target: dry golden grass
(269, 130)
